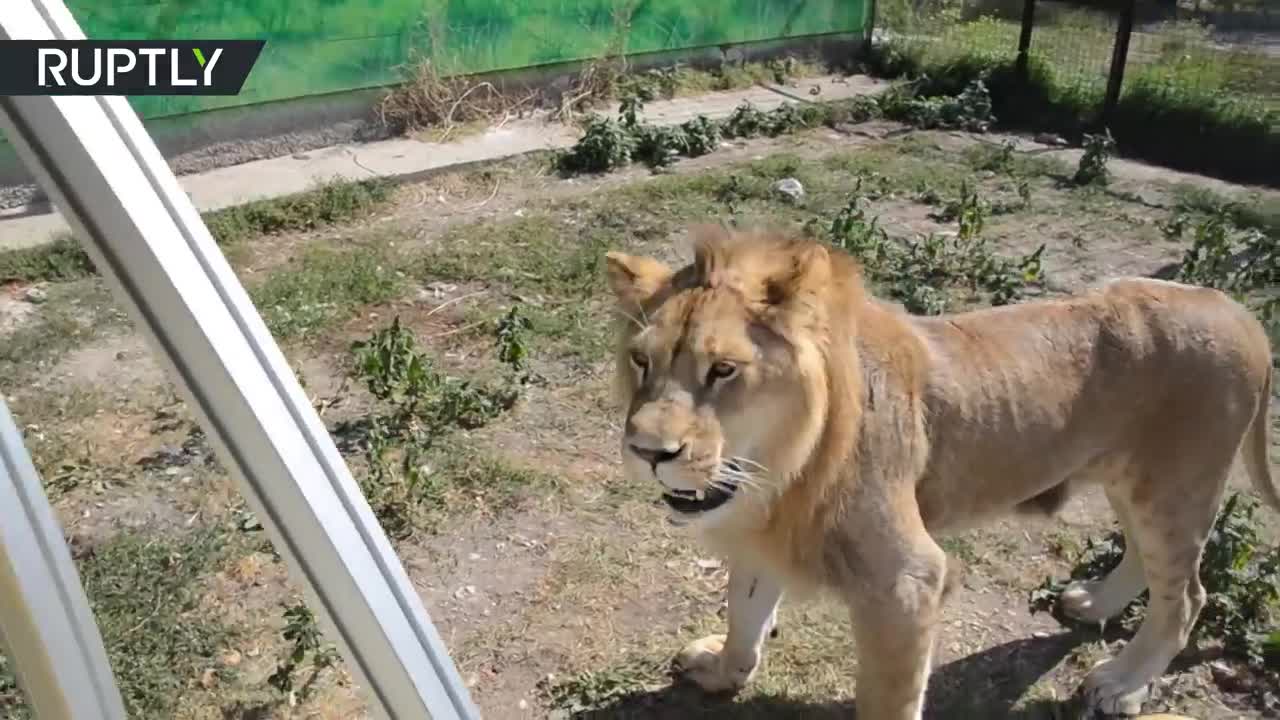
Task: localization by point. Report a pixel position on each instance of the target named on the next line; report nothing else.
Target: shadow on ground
(984, 685)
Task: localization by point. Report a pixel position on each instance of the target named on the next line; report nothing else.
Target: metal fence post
(1119, 54)
(1024, 39)
(869, 27)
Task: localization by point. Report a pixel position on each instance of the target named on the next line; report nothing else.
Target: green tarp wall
(325, 46)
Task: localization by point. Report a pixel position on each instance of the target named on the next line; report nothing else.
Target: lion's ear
(709, 245)
(633, 279)
(808, 271)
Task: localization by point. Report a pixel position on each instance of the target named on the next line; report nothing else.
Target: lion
(820, 438)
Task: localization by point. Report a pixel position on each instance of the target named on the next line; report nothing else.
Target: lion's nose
(655, 456)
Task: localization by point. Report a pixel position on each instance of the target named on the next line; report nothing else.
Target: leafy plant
(970, 110)
(308, 644)
(1235, 261)
(659, 145)
(606, 145)
(511, 334)
(424, 405)
(917, 271)
(1092, 169)
(746, 121)
(701, 136)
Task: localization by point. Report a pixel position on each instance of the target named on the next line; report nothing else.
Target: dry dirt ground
(560, 591)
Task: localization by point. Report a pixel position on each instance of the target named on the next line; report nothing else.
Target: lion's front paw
(705, 663)
(1112, 690)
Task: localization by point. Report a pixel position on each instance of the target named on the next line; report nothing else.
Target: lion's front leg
(724, 663)
(895, 609)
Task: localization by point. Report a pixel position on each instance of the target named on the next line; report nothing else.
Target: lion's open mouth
(696, 502)
(688, 502)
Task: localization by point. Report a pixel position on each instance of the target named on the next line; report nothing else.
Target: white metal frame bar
(96, 161)
(43, 610)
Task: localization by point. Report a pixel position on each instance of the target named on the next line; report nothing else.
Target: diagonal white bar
(44, 615)
(93, 156)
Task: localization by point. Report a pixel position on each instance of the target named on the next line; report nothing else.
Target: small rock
(790, 188)
(35, 295)
(1040, 635)
(231, 658)
(1051, 139)
(523, 704)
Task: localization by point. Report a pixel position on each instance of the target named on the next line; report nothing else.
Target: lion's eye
(721, 370)
(641, 361)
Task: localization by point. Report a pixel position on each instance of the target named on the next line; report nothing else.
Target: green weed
(1098, 149)
(918, 271)
(307, 645)
(408, 477)
(608, 144)
(592, 689)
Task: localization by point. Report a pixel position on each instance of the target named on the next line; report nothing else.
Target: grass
(144, 592)
(74, 313)
(325, 285)
(1254, 212)
(330, 203)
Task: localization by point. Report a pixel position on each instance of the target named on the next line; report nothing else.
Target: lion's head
(722, 366)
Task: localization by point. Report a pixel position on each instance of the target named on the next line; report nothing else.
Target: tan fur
(870, 431)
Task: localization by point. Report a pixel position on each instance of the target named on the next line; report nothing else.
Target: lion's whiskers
(753, 463)
(632, 318)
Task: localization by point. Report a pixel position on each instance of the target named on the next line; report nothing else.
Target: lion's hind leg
(1168, 517)
(1100, 600)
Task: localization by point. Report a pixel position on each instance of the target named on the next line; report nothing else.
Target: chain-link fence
(1201, 74)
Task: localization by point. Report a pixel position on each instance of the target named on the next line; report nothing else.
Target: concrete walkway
(30, 226)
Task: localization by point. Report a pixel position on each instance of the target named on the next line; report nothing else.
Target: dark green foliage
(605, 145)
(970, 110)
(1167, 116)
(701, 135)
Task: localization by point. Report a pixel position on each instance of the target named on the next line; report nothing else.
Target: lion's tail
(1257, 455)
